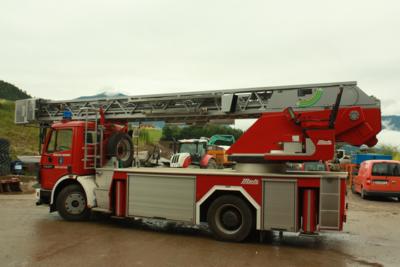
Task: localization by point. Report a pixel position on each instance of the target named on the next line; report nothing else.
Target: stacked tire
(5, 160)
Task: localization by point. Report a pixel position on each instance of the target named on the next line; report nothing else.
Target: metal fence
(4, 157)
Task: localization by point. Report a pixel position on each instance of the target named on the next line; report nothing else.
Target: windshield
(60, 140)
(192, 148)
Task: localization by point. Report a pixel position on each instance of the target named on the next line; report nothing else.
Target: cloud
(389, 137)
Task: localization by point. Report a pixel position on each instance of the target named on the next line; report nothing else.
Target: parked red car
(378, 178)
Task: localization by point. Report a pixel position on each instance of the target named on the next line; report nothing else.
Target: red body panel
(204, 183)
(354, 125)
(120, 198)
(307, 192)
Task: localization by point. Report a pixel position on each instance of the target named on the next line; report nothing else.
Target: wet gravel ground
(30, 236)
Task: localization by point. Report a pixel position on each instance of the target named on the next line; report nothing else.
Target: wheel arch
(87, 183)
(204, 203)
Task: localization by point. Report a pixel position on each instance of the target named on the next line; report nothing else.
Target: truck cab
(72, 150)
(62, 155)
(378, 178)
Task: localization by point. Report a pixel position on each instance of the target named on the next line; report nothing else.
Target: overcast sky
(65, 49)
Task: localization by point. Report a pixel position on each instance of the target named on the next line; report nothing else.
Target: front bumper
(43, 196)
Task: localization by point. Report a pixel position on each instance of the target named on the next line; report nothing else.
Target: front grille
(175, 159)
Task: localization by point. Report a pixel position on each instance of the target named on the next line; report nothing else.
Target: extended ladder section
(197, 107)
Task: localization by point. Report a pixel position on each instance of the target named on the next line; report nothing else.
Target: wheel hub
(123, 150)
(75, 203)
(229, 219)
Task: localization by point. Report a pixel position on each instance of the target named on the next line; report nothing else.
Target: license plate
(380, 182)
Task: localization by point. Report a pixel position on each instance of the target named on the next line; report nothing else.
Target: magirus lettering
(250, 181)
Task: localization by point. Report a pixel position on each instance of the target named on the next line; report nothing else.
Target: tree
(11, 92)
(388, 150)
(170, 132)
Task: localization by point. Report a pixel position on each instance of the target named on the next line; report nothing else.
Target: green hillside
(24, 140)
(11, 92)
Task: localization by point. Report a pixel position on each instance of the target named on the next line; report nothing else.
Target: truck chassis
(233, 203)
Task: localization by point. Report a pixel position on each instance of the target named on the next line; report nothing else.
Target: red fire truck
(87, 154)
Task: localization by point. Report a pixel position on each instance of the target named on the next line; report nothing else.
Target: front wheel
(230, 218)
(71, 203)
(212, 164)
(363, 195)
(353, 189)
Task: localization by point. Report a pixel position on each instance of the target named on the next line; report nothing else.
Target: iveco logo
(250, 181)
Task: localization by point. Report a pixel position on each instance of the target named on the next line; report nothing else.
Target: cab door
(56, 160)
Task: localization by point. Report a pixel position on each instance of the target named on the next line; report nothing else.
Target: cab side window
(60, 140)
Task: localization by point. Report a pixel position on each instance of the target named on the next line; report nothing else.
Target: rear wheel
(363, 195)
(71, 203)
(212, 164)
(230, 218)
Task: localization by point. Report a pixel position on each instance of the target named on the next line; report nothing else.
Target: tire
(212, 164)
(353, 189)
(230, 218)
(72, 204)
(120, 146)
(363, 196)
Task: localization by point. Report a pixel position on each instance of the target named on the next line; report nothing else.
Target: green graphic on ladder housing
(312, 100)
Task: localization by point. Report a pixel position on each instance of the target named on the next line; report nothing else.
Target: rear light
(368, 181)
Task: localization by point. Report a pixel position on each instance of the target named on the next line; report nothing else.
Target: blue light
(67, 115)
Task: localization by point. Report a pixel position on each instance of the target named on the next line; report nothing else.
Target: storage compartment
(280, 205)
(162, 196)
(329, 213)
